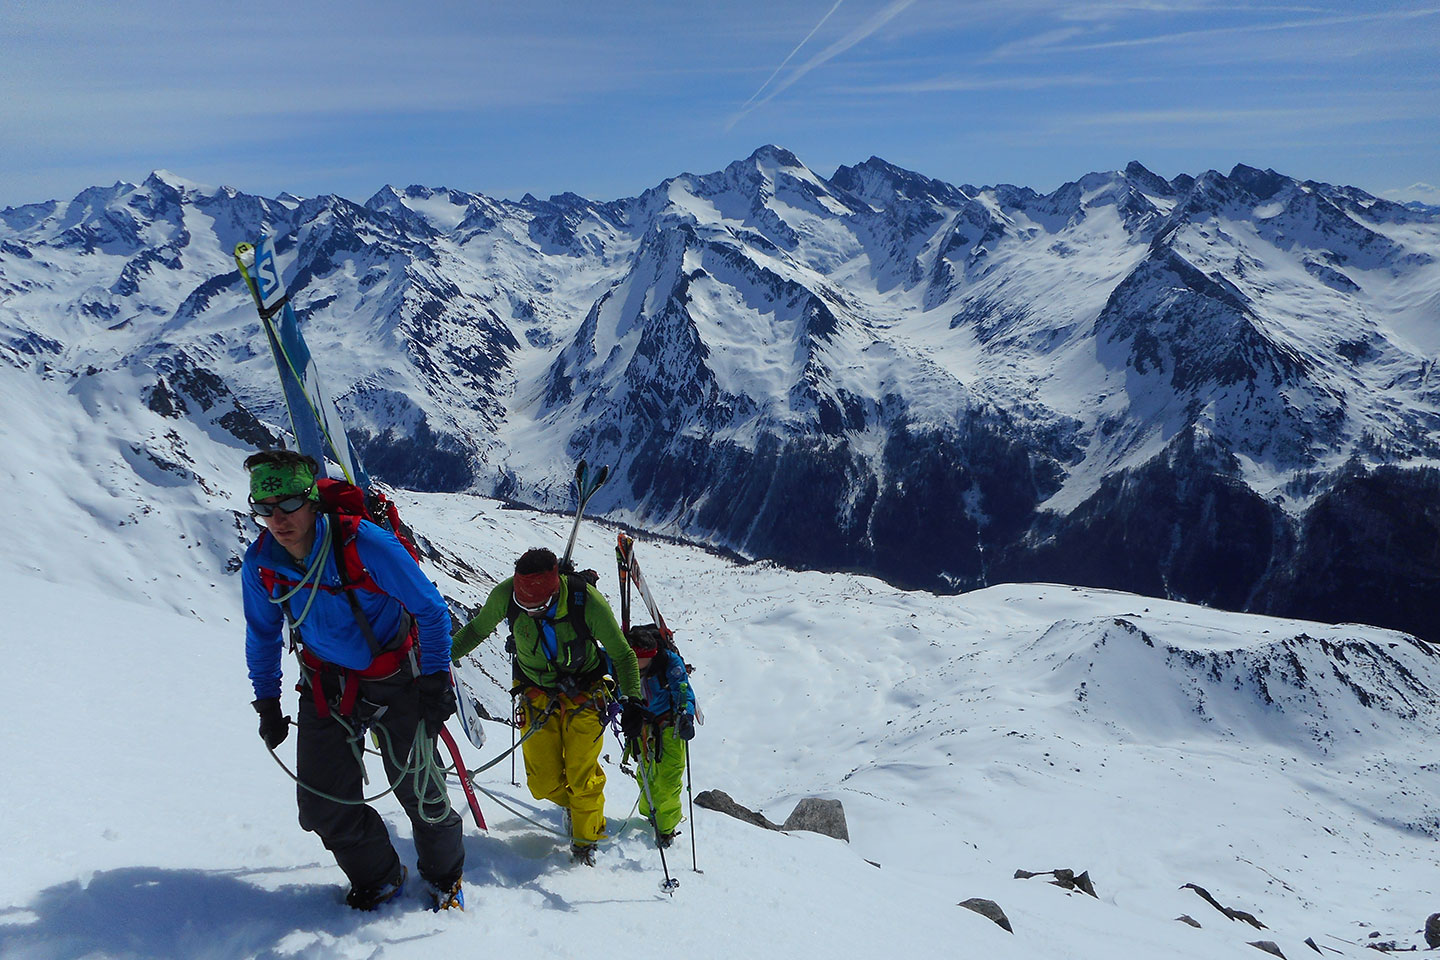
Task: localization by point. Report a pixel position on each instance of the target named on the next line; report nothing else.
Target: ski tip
(601, 477)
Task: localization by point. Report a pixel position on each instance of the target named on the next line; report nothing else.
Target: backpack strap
(270, 579)
(575, 610)
(349, 527)
(347, 560)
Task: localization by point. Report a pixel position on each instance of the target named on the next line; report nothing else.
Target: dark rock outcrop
(1230, 912)
(722, 802)
(988, 909)
(1068, 879)
(818, 815)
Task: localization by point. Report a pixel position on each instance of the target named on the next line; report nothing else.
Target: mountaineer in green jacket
(556, 620)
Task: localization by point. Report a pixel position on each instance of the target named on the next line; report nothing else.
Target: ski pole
(513, 781)
(670, 884)
(690, 791)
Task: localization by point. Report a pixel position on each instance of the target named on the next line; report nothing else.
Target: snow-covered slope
(1285, 767)
(1195, 387)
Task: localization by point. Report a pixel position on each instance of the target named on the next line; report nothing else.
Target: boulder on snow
(1230, 912)
(1388, 946)
(818, 815)
(721, 801)
(1064, 878)
(1269, 946)
(988, 909)
(1432, 931)
(1186, 918)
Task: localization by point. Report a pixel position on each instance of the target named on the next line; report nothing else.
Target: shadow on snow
(222, 915)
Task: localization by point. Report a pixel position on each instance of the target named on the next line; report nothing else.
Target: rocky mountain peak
(1261, 184)
(1149, 182)
(770, 155)
(882, 184)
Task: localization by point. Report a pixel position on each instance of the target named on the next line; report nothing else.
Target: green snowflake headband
(282, 480)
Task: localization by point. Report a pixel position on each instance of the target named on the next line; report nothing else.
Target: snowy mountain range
(1182, 758)
(1219, 388)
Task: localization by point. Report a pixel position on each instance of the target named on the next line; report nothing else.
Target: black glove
(632, 718)
(685, 727)
(437, 700)
(274, 725)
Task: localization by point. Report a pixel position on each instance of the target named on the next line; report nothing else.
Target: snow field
(146, 820)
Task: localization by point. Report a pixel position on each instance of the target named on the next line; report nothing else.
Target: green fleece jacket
(528, 649)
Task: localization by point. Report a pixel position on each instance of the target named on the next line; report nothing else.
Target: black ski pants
(356, 833)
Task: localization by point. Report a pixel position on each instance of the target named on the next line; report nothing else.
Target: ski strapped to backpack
(586, 484)
(314, 418)
(628, 569)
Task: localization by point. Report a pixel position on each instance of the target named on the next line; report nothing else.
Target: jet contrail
(835, 49)
(791, 54)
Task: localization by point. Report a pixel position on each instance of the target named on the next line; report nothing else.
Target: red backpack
(347, 500)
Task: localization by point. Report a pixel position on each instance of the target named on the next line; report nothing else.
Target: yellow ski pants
(562, 761)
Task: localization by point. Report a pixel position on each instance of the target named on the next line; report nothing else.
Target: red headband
(534, 590)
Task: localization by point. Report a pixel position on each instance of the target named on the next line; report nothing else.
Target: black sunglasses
(288, 505)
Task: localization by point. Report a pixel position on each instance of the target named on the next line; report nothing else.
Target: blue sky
(608, 98)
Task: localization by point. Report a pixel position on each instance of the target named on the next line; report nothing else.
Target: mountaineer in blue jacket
(659, 742)
(358, 606)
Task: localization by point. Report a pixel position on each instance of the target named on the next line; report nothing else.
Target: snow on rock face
(739, 338)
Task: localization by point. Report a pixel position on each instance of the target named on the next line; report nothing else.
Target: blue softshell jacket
(329, 630)
(667, 685)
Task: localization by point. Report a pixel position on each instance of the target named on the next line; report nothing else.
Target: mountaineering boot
(668, 838)
(368, 898)
(446, 897)
(583, 853)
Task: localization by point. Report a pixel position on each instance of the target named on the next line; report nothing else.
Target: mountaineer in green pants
(668, 723)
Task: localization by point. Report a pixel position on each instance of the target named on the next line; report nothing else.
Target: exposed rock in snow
(819, 815)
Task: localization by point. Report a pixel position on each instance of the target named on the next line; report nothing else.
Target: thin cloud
(1109, 10)
(1187, 36)
(791, 54)
(1332, 117)
(972, 84)
(1417, 192)
(1040, 43)
(829, 53)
